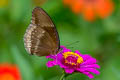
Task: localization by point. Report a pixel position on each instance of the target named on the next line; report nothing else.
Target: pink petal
(51, 63)
(89, 61)
(90, 66)
(76, 51)
(63, 47)
(86, 57)
(89, 70)
(88, 74)
(61, 64)
(67, 70)
(51, 56)
(66, 50)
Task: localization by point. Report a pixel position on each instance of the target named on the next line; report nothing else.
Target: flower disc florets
(72, 59)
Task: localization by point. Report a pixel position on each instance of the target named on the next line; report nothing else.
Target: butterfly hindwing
(41, 37)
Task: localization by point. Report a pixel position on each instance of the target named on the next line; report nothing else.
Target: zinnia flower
(9, 72)
(91, 8)
(74, 62)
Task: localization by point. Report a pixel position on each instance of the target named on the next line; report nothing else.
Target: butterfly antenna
(71, 47)
(73, 43)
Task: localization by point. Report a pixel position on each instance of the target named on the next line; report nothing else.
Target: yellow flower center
(72, 58)
(7, 77)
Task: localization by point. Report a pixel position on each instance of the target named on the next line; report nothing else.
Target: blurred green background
(100, 38)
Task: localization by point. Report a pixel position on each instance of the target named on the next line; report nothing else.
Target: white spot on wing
(28, 37)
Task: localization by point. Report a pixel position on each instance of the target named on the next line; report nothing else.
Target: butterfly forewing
(41, 37)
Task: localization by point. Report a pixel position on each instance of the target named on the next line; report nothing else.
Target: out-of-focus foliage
(100, 38)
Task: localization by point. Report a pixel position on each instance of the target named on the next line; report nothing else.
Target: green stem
(62, 77)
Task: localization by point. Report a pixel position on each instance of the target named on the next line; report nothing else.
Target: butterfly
(41, 37)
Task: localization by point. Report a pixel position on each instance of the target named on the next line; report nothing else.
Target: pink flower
(74, 62)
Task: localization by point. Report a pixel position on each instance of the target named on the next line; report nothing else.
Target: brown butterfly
(41, 37)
